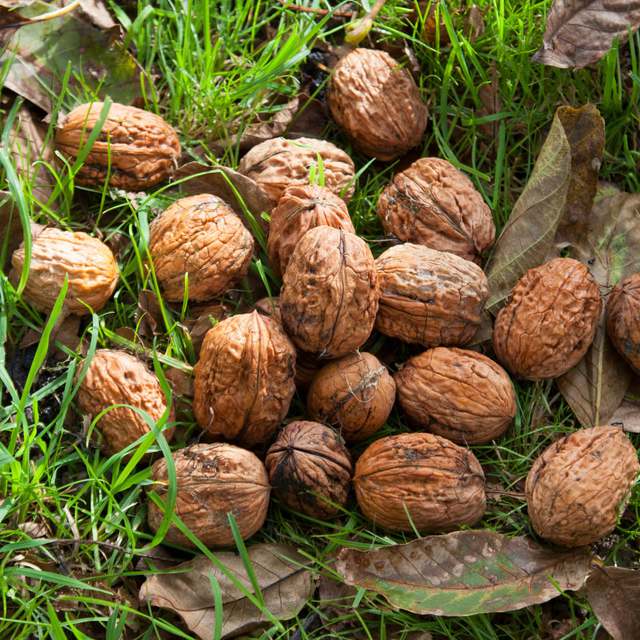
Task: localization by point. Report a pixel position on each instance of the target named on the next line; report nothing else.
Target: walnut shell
(457, 394)
(550, 320)
(355, 393)
(377, 103)
(280, 163)
(623, 319)
(302, 207)
(429, 297)
(329, 296)
(118, 378)
(203, 237)
(135, 149)
(244, 379)
(580, 484)
(440, 485)
(89, 264)
(213, 480)
(310, 469)
(434, 204)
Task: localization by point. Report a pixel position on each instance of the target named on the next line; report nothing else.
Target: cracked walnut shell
(434, 204)
(135, 149)
(429, 297)
(244, 379)
(377, 103)
(203, 237)
(213, 480)
(623, 319)
(550, 320)
(281, 163)
(89, 264)
(457, 394)
(355, 393)
(329, 296)
(578, 487)
(420, 479)
(310, 469)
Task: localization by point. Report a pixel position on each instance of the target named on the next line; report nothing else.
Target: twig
(317, 11)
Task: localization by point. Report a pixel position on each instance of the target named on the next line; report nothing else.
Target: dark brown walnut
(355, 393)
(377, 103)
(329, 297)
(623, 319)
(135, 149)
(89, 265)
(434, 204)
(244, 379)
(281, 163)
(302, 207)
(460, 395)
(419, 480)
(200, 237)
(549, 321)
(310, 469)
(578, 487)
(213, 480)
(118, 378)
(429, 297)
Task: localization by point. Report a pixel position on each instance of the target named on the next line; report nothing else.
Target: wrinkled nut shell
(244, 379)
(203, 237)
(438, 483)
(115, 378)
(377, 103)
(213, 480)
(578, 487)
(135, 149)
(429, 297)
(329, 296)
(434, 204)
(280, 163)
(355, 393)
(299, 209)
(550, 320)
(88, 263)
(457, 394)
(623, 319)
(310, 469)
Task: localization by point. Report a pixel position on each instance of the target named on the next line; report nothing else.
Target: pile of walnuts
(292, 396)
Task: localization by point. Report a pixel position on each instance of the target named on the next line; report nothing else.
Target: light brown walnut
(623, 319)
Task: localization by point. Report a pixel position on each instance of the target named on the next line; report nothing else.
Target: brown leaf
(181, 382)
(614, 596)
(580, 32)
(149, 314)
(280, 571)
(97, 12)
(489, 95)
(627, 416)
(474, 23)
(435, 31)
(10, 230)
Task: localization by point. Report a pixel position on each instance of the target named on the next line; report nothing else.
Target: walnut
(623, 319)
(329, 296)
(118, 378)
(355, 393)
(135, 149)
(429, 297)
(310, 469)
(419, 480)
(244, 379)
(200, 237)
(88, 263)
(213, 480)
(377, 103)
(460, 395)
(280, 163)
(549, 321)
(578, 487)
(434, 204)
(301, 208)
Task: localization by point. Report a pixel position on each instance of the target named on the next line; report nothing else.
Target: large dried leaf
(580, 32)
(465, 573)
(10, 230)
(280, 571)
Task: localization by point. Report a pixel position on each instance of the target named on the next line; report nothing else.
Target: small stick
(317, 11)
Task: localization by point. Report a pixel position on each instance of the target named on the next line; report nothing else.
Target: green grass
(217, 65)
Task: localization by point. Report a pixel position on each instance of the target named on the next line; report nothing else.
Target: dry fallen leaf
(11, 230)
